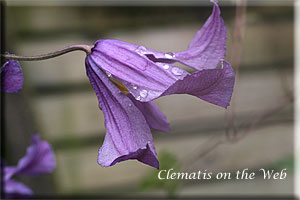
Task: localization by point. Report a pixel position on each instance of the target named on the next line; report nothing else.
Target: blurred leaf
(287, 162)
(151, 181)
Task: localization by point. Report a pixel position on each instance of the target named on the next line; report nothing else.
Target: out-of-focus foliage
(286, 162)
(151, 181)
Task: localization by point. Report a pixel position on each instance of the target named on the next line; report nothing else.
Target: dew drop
(130, 105)
(143, 93)
(134, 87)
(166, 66)
(138, 98)
(177, 71)
(108, 74)
(169, 55)
(222, 63)
(141, 50)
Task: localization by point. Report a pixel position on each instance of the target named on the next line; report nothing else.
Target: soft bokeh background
(58, 102)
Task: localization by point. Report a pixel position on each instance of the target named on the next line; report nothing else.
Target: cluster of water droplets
(177, 71)
(173, 69)
(141, 93)
(170, 55)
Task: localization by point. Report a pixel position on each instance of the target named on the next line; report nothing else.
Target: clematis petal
(39, 158)
(154, 117)
(145, 79)
(206, 49)
(208, 46)
(16, 189)
(128, 134)
(11, 77)
(9, 172)
(214, 86)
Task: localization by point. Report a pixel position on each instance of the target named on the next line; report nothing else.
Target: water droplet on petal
(130, 105)
(108, 74)
(141, 50)
(138, 98)
(169, 55)
(134, 87)
(143, 93)
(177, 71)
(222, 63)
(166, 66)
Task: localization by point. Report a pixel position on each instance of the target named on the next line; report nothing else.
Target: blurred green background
(58, 102)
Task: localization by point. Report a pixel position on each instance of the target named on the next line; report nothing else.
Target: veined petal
(128, 134)
(154, 117)
(11, 77)
(206, 49)
(39, 158)
(16, 189)
(129, 64)
(214, 86)
(208, 46)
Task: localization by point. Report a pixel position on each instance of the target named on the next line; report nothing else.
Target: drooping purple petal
(16, 189)
(39, 158)
(214, 86)
(206, 49)
(148, 73)
(154, 117)
(128, 134)
(129, 64)
(11, 77)
(208, 46)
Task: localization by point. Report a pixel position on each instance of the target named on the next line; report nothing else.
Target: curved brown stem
(80, 47)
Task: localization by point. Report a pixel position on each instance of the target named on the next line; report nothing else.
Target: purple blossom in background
(127, 77)
(11, 77)
(38, 160)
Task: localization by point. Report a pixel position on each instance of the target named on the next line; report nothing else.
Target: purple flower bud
(11, 77)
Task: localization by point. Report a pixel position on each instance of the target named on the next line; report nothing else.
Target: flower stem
(80, 47)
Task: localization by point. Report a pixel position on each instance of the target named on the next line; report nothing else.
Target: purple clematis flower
(39, 159)
(127, 77)
(11, 77)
